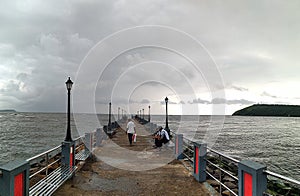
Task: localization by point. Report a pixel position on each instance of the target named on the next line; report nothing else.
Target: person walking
(130, 130)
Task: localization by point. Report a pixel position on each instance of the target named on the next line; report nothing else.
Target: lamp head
(69, 84)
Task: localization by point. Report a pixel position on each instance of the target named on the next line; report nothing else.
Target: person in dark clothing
(161, 136)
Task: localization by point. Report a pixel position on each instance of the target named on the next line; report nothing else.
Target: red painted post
(252, 179)
(179, 146)
(14, 179)
(71, 157)
(247, 184)
(19, 184)
(200, 151)
(196, 161)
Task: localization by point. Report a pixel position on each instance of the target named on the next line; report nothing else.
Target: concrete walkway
(120, 169)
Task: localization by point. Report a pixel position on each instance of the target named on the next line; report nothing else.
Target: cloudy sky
(208, 57)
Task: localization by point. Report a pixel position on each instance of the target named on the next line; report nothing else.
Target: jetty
(99, 178)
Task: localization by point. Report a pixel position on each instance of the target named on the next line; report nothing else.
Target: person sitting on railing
(161, 136)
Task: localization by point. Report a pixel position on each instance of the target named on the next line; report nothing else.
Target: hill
(8, 111)
(269, 110)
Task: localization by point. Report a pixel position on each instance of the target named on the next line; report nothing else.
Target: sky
(207, 57)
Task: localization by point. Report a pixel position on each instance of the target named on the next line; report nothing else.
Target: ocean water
(274, 141)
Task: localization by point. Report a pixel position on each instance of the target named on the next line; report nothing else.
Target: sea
(273, 141)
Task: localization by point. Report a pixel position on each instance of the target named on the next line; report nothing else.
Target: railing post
(252, 180)
(200, 151)
(14, 178)
(88, 141)
(68, 153)
(178, 146)
(99, 137)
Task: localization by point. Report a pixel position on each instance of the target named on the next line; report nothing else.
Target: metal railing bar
(44, 168)
(228, 173)
(223, 185)
(282, 177)
(190, 150)
(43, 153)
(188, 157)
(80, 145)
(78, 138)
(223, 155)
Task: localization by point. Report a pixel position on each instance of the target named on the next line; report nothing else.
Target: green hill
(269, 110)
(4, 111)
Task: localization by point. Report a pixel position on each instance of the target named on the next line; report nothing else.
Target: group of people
(160, 137)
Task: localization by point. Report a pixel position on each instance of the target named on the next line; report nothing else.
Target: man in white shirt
(130, 130)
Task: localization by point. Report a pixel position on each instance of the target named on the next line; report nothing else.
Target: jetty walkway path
(120, 169)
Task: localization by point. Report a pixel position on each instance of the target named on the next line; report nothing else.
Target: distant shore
(269, 110)
(7, 111)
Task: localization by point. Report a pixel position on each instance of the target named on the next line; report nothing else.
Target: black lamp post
(143, 114)
(69, 84)
(140, 114)
(167, 126)
(118, 113)
(109, 117)
(149, 113)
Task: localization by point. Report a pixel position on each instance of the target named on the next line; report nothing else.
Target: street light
(143, 114)
(149, 113)
(69, 84)
(109, 118)
(167, 126)
(118, 113)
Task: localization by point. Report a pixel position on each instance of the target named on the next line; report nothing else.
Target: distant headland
(269, 110)
(8, 111)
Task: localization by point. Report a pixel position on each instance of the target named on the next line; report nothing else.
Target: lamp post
(109, 118)
(140, 114)
(69, 84)
(118, 113)
(167, 126)
(143, 114)
(149, 113)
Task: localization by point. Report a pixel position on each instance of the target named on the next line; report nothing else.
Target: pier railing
(229, 175)
(45, 172)
(45, 162)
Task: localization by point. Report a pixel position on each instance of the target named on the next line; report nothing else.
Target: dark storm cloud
(43, 42)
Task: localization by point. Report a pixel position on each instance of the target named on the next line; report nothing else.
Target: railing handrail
(282, 177)
(223, 155)
(43, 153)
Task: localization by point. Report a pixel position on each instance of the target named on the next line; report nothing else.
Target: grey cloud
(266, 94)
(199, 101)
(239, 88)
(169, 102)
(240, 101)
(237, 101)
(145, 101)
